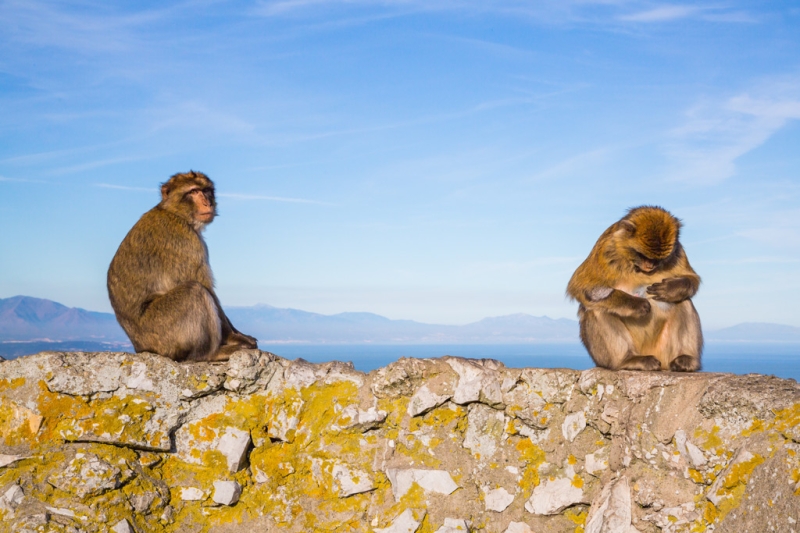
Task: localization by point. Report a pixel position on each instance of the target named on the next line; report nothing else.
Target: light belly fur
(648, 333)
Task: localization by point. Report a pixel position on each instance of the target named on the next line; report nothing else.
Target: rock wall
(121, 442)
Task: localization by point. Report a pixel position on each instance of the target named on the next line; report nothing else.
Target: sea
(776, 359)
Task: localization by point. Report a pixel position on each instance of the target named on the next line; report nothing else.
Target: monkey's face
(650, 235)
(642, 263)
(203, 204)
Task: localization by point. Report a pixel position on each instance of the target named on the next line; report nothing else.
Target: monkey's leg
(182, 324)
(686, 336)
(610, 343)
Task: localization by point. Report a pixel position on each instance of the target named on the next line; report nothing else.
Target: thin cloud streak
(662, 14)
(123, 187)
(237, 196)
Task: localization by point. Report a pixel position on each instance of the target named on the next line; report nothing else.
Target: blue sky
(436, 161)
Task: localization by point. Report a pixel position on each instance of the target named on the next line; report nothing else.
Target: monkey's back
(160, 252)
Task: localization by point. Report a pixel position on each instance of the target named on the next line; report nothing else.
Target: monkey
(635, 291)
(160, 283)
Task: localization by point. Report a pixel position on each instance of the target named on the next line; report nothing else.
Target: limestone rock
(351, 481)
(195, 439)
(87, 475)
(424, 400)
(553, 496)
(123, 526)
(497, 500)
(611, 510)
(226, 492)
(405, 522)
(518, 527)
(438, 481)
(573, 424)
(90, 442)
(190, 494)
(484, 430)
(454, 525)
(362, 420)
(6, 460)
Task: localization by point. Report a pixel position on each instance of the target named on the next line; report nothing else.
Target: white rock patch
(191, 494)
(404, 523)
(226, 492)
(233, 445)
(597, 461)
(611, 509)
(453, 525)
(518, 527)
(122, 527)
(438, 481)
(424, 400)
(351, 481)
(573, 424)
(497, 500)
(552, 497)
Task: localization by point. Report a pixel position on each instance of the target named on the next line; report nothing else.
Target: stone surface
(518, 527)
(402, 480)
(226, 492)
(406, 522)
(122, 527)
(497, 500)
(87, 475)
(351, 481)
(611, 510)
(192, 494)
(454, 525)
(553, 496)
(92, 442)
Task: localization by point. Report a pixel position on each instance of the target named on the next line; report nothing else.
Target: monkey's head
(190, 195)
(648, 236)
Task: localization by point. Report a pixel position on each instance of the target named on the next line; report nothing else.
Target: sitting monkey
(635, 291)
(160, 283)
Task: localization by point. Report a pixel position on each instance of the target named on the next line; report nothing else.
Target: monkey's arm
(616, 302)
(674, 290)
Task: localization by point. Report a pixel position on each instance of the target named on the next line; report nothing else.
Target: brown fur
(160, 283)
(635, 291)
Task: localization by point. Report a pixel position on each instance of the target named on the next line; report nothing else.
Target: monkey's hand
(625, 305)
(672, 290)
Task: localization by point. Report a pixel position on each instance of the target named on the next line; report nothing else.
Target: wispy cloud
(705, 149)
(591, 12)
(662, 14)
(20, 180)
(237, 196)
(125, 187)
(574, 165)
(89, 165)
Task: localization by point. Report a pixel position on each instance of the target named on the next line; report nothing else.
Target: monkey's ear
(626, 227)
(164, 191)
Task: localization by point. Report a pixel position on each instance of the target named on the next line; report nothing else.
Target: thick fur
(160, 283)
(635, 291)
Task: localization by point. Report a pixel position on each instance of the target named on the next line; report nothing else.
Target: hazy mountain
(23, 318)
(755, 332)
(30, 325)
(272, 324)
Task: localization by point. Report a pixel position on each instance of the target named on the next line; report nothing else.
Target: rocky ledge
(137, 443)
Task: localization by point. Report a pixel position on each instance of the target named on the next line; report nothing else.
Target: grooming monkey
(160, 283)
(635, 291)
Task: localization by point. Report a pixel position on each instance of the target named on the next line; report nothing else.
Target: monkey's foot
(684, 363)
(640, 362)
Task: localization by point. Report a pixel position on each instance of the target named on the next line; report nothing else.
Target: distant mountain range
(29, 325)
(276, 325)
